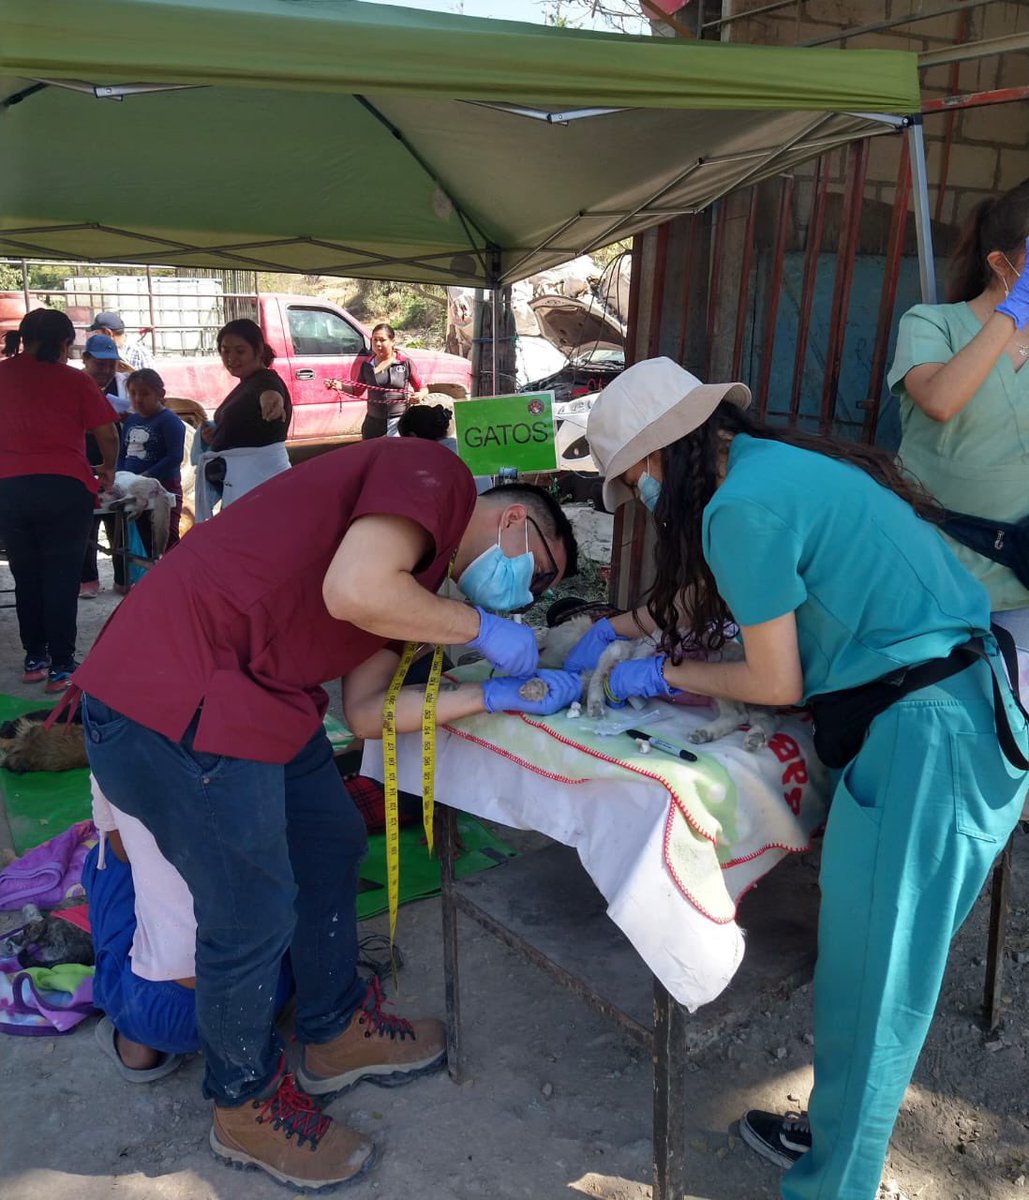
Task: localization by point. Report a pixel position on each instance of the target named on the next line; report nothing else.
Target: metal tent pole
(494, 299)
(923, 222)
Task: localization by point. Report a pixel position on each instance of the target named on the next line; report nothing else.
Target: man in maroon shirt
(203, 714)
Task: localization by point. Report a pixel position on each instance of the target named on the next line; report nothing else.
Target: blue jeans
(157, 1013)
(270, 853)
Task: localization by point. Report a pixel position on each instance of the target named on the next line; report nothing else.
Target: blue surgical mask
(649, 489)
(497, 582)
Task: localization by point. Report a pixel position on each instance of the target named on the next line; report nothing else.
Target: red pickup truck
(314, 342)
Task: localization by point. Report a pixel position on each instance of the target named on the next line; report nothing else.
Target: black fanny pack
(1003, 541)
(842, 718)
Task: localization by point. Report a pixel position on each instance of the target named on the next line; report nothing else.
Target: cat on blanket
(47, 940)
(557, 643)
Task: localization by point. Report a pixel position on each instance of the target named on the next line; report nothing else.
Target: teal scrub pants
(916, 822)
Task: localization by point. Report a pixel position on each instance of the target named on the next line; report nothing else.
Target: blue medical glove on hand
(638, 677)
(586, 652)
(510, 647)
(503, 693)
(1016, 305)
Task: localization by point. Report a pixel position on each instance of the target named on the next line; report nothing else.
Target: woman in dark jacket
(391, 382)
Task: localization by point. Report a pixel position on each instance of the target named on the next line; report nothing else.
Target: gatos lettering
(520, 433)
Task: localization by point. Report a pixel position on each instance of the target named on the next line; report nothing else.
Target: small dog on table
(557, 642)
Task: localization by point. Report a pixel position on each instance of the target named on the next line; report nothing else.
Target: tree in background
(620, 16)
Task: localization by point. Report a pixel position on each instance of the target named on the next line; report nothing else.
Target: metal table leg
(669, 1055)
(1000, 904)
(446, 840)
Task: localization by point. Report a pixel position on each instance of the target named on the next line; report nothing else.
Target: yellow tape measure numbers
(389, 759)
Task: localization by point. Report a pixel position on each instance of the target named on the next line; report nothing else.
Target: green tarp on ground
(419, 873)
(41, 805)
(337, 137)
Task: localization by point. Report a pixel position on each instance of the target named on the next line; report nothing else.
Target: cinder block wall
(989, 147)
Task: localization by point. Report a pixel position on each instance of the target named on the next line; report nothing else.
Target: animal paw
(534, 690)
(755, 739)
(701, 735)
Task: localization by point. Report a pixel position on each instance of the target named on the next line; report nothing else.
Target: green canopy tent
(337, 137)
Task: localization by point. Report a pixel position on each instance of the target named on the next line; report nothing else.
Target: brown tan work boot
(378, 1046)
(287, 1136)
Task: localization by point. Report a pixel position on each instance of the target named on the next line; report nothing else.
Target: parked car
(315, 343)
(582, 375)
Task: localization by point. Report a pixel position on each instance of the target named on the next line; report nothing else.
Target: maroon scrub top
(233, 621)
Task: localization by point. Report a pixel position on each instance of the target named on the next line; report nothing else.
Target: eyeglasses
(541, 580)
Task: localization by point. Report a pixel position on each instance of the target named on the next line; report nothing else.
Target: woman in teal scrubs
(960, 374)
(820, 552)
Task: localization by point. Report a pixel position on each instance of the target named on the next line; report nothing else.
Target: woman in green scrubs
(960, 375)
(818, 551)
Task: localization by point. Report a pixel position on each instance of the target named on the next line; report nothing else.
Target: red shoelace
(386, 1023)
(290, 1109)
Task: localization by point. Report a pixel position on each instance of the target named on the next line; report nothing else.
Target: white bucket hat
(649, 406)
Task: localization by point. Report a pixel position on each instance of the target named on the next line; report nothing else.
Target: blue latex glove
(587, 650)
(638, 677)
(1016, 305)
(502, 693)
(510, 647)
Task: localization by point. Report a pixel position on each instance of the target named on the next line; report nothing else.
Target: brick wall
(989, 147)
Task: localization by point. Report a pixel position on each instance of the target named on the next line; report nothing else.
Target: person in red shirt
(212, 736)
(47, 487)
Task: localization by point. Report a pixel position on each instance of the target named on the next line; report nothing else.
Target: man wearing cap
(100, 362)
(134, 354)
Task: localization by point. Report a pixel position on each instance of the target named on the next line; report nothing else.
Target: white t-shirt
(164, 946)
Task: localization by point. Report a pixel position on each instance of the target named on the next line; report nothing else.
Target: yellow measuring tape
(389, 758)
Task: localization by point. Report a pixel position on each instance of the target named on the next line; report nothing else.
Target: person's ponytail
(969, 270)
(998, 223)
(12, 343)
(45, 333)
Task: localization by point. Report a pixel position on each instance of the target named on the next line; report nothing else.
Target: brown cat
(26, 746)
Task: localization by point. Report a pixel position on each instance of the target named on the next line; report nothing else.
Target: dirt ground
(557, 1103)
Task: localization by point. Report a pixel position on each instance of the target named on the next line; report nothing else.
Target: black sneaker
(780, 1139)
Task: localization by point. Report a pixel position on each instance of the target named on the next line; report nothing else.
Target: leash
(389, 761)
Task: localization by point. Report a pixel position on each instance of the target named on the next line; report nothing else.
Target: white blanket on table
(625, 825)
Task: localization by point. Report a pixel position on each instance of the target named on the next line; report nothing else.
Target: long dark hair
(690, 473)
(46, 330)
(997, 223)
(251, 333)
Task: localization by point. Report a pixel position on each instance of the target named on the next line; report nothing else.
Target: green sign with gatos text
(507, 431)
